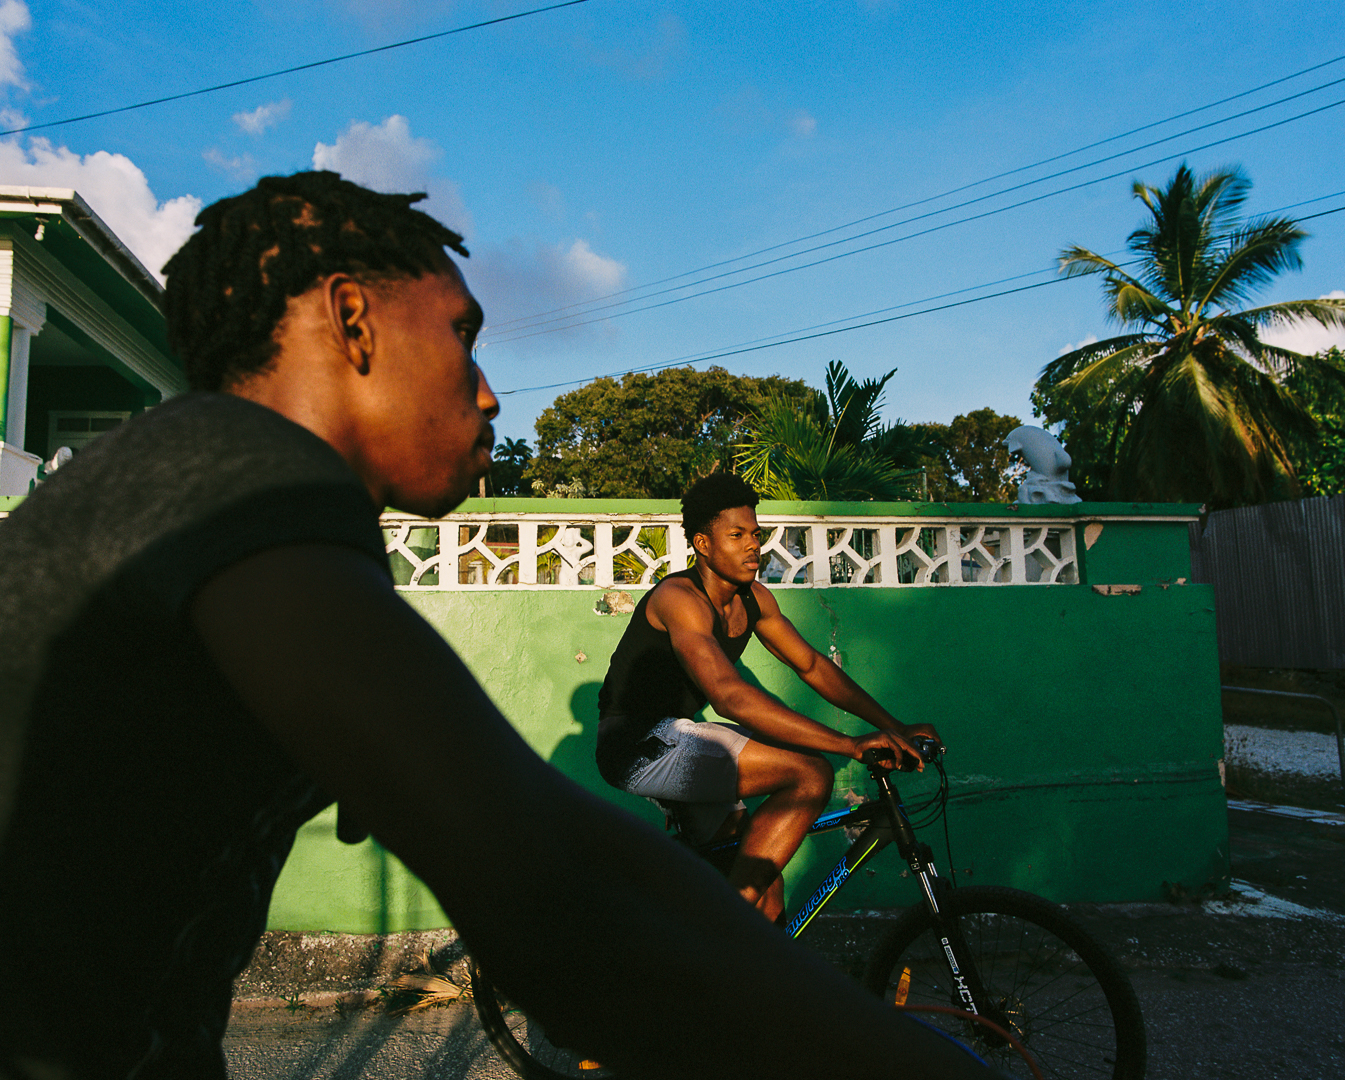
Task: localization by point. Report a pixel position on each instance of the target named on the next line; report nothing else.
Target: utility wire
(515, 334)
(919, 232)
(806, 335)
(291, 70)
(932, 198)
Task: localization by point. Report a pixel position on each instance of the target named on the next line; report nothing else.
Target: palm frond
(1326, 312)
(1125, 348)
(1078, 261)
(1134, 304)
(777, 425)
(854, 405)
(1254, 256)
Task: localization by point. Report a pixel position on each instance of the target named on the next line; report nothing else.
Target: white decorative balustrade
(549, 550)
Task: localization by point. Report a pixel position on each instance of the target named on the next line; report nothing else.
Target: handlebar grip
(929, 747)
(876, 755)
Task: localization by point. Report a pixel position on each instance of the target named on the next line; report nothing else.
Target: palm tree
(832, 448)
(1197, 403)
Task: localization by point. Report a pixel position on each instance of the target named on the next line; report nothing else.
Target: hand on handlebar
(910, 750)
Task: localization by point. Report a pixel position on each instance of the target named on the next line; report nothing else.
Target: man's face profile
(731, 544)
(434, 405)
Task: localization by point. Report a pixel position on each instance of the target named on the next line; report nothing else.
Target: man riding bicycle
(678, 654)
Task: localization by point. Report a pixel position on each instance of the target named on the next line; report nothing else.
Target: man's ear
(701, 543)
(348, 311)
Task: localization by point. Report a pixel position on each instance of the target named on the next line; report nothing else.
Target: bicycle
(962, 956)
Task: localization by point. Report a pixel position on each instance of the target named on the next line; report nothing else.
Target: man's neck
(720, 590)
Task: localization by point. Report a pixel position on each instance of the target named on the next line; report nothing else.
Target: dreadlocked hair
(229, 284)
(709, 497)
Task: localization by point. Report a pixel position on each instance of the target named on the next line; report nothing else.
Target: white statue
(1047, 479)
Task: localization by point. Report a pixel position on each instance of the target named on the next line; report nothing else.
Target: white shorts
(695, 778)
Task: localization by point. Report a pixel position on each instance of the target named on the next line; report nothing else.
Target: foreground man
(200, 647)
(678, 654)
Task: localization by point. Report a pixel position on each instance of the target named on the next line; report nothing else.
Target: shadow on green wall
(573, 755)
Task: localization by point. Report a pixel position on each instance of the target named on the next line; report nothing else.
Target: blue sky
(615, 143)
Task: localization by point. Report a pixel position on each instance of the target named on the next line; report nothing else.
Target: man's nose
(486, 400)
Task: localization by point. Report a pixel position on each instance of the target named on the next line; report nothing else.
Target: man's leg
(797, 785)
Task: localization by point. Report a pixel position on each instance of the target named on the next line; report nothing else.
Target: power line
(291, 70)
(945, 194)
(806, 335)
(919, 232)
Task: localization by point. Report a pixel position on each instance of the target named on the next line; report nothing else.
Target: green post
(6, 325)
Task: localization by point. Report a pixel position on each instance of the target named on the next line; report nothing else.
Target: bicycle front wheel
(1055, 988)
(521, 1041)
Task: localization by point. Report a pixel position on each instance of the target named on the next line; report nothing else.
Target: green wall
(1084, 729)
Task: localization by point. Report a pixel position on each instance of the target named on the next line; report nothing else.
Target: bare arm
(786, 644)
(681, 610)
(620, 955)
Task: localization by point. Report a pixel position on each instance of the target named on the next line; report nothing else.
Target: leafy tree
(833, 448)
(649, 435)
(1320, 461)
(1191, 405)
(511, 459)
(971, 463)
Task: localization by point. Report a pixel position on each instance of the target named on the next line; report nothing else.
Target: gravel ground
(1304, 753)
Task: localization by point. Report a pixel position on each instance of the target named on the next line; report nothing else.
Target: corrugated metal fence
(1278, 572)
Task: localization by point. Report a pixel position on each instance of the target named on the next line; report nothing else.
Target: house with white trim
(82, 338)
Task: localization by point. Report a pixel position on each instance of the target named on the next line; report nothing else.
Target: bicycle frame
(885, 822)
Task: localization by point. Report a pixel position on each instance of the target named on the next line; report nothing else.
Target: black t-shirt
(144, 812)
(646, 682)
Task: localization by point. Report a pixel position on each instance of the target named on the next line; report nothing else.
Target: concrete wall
(1083, 726)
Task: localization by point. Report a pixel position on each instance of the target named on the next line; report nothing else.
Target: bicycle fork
(969, 992)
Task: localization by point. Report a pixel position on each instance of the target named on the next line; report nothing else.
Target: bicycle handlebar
(928, 748)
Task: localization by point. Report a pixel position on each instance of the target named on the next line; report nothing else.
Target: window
(77, 429)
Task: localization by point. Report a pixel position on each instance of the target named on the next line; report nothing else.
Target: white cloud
(14, 19)
(513, 279)
(1089, 340)
(241, 167)
(115, 188)
(387, 157)
(263, 116)
(519, 279)
(803, 125)
(1307, 337)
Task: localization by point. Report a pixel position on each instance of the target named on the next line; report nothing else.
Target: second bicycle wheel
(1060, 992)
(521, 1041)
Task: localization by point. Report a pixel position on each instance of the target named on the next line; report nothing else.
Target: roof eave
(67, 203)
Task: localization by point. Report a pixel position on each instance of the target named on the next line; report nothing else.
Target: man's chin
(433, 506)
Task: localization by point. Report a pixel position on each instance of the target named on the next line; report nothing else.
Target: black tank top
(646, 682)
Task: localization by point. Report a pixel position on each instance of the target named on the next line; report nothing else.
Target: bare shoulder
(675, 603)
(765, 600)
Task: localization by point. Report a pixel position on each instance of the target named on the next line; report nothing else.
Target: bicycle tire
(1063, 995)
(521, 1041)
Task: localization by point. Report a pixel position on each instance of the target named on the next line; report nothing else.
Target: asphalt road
(1249, 988)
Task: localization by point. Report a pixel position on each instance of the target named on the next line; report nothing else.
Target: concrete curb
(336, 967)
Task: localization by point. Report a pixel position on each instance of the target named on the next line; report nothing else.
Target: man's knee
(816, 777)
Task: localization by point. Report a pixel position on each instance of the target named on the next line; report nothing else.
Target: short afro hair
(709, 497)
(229, 284)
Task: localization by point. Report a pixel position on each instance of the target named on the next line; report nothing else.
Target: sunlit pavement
(1246, 987)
